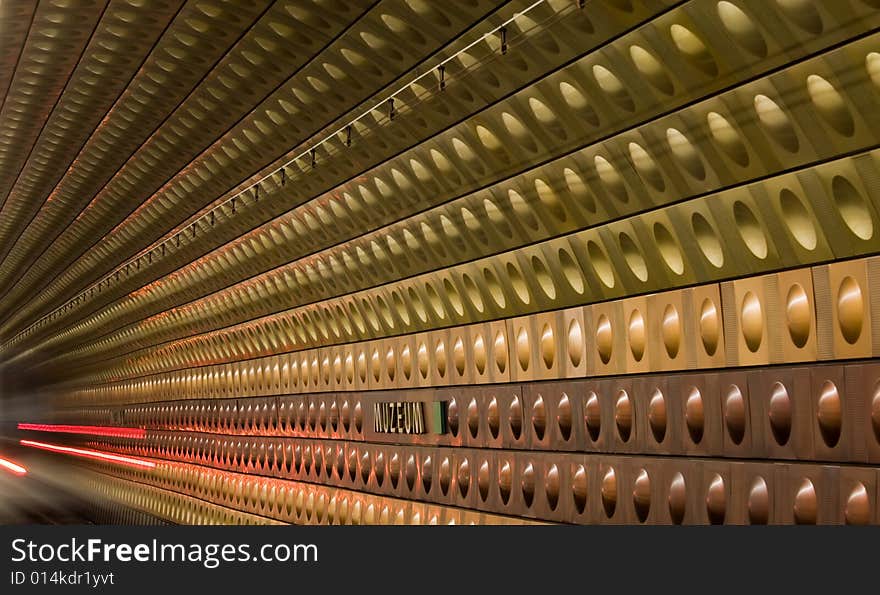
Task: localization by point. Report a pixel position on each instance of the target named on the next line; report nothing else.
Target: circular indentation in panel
(579, 190)
(440, 358)
(742, 28)
(549, 200)
(473, 418)
(610, 178)
(487, 138)
(728, 138)
(611, 86)
(829, 413)
(693, 49)
(735, 413)
(471, 289)
(577, 101)
(358, 417)
(677, 499)
(604, 338)
(651, 68)
(406, 361)
(427, 474)
(539, 417)
(850, 309)
(571, 271)
(365, 467)
(752, 321)
(710, 326)
(423, 360)
(750, 230)
(458, 356)
(480, 355)
(671, 331)
(716, 500)
(522, 209)
(657, 415)
(686, 154)
(600, 264)
(527, 484)
(806, 504)
(505, 481)
(563, 417)
(802, 13)
(707, 240)
(759, 502)
(633, 256)
(642, 495)
(551, 486)
(797, 219)
(830, 104)
(857, 510)
(609, 492)
(518, 131)
(579, 489)
(623, 415)
(483, 480)
(523, 349)
(410, 472)
(390, 364)
(694, 415)
(777, 123)
(445, 475)
(668, 247)
(493, 418)
(543, 113)
(464, 477)
(798, 315)
(636, 331)
(548, 347)
(780, 413)
(515, 417)
(500, 349)
(518, 283)
(542, 276)
(575, 343)
(452, 417)
(380, 468)
(593, 414)
(646, 166)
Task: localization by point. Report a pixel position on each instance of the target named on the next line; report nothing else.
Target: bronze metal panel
(781, 395)
(698, 404)
(620, 415)
(741, 417)
(658, 404)
(863, 388)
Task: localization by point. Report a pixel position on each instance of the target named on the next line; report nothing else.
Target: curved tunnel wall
(620, 255)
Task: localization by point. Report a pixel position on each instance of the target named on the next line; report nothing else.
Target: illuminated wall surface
(424, 262)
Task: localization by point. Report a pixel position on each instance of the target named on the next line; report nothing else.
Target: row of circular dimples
(780, 409)
(170, 506)
(296, 501)
(244, 417)
(539, 288)
(804, 502)
(850, 301)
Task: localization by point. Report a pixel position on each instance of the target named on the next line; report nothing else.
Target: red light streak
(110, 431)
(12, 467)
(90, 454)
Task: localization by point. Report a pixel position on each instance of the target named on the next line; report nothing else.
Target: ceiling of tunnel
(185, 184)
